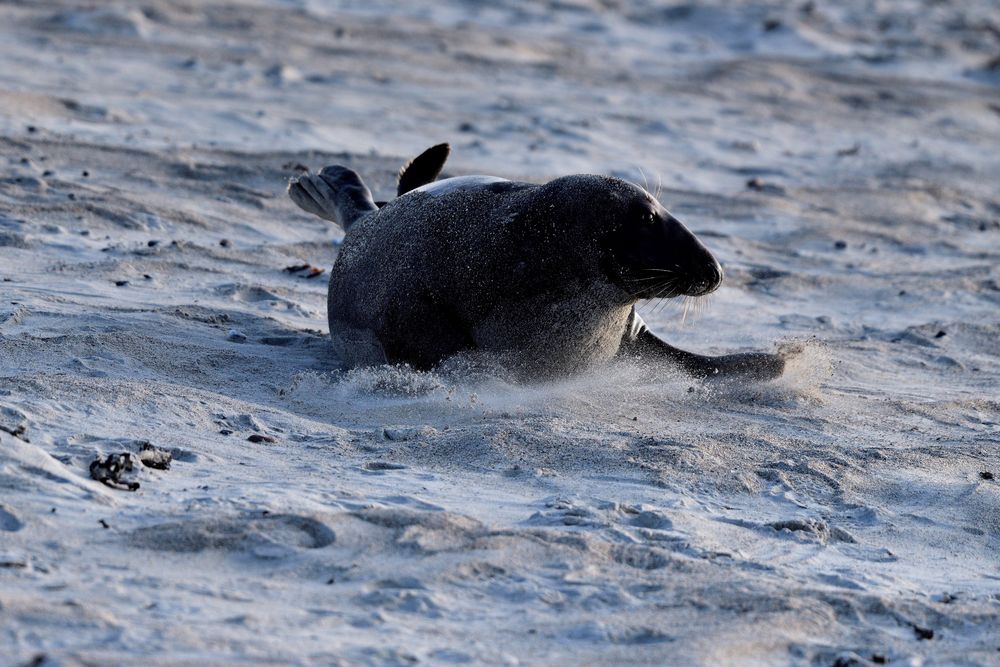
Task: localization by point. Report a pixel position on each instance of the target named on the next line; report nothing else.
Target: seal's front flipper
(423, 169)
(755, 366)
(336, 194)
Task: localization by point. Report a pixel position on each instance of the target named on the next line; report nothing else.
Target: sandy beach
(841, 159)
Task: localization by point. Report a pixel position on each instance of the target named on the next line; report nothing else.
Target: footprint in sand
(270, 536)
(9, 521)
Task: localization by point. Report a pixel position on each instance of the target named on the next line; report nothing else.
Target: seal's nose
(708, 281)
(701, 271)
(715, 275)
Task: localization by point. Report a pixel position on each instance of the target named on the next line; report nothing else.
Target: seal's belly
(355, 346)
(555, 338)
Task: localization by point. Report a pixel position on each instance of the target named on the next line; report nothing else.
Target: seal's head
(638, 245)
(650, 253)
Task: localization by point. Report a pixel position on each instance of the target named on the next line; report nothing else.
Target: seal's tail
(336, 194)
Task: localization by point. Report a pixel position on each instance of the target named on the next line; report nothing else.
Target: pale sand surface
(839, 516)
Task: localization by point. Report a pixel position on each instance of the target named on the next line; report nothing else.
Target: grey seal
(542, 278)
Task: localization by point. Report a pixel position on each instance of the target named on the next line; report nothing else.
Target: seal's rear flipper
(336, 194)
(423, 169)
(753, 366)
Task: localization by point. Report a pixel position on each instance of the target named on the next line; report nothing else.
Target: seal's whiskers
(695, 306)
(645, 183)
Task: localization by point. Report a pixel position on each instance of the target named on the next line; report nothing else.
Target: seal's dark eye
(649, 217)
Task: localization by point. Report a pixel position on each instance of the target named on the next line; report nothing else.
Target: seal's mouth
(668, 283)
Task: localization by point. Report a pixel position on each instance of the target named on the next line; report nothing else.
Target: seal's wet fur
(542, 278)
